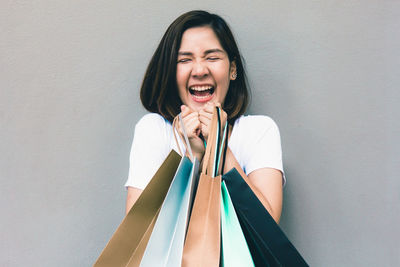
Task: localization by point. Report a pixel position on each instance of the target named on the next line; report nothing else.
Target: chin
(196, 106)
(197, 103)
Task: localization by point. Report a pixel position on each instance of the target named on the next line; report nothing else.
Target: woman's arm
(148, 151)
(132, 195)
(266, 183)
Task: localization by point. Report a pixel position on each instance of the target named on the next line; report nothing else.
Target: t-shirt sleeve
(148, 151)
(263, 145)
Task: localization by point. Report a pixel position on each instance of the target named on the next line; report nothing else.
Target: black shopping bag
(268, 244)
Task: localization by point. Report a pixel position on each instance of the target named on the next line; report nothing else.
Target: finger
(205, 116)
(223, 113)
(204, 128)
(193, 121)
(185, 110)
(192, 125)
(208, 113)
(190, 116)
(218, 105)
(209, 108)
(189, 122)
(205, 120)
(224, 116)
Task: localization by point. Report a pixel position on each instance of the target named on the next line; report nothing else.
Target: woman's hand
(192, 124)
(205, 117)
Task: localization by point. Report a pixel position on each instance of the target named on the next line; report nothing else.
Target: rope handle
(186, 143)
(216, 145)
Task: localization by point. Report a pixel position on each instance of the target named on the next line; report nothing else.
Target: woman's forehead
(203, 38)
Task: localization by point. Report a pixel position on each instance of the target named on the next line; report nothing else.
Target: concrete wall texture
(327, 72)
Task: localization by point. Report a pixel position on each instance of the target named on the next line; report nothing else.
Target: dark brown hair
(159, 91)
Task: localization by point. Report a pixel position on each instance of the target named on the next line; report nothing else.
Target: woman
(196, 67)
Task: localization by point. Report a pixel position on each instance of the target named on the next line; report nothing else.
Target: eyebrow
(209, 51)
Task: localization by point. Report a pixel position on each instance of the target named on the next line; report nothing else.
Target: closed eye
(183, 60)
(212, 58)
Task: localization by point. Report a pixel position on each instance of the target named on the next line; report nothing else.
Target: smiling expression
(203, 70)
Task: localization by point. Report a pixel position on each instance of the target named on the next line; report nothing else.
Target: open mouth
(201, 93)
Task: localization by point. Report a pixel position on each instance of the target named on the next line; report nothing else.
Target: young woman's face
(203, 69)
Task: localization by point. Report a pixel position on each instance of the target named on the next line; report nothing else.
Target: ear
(232, 72)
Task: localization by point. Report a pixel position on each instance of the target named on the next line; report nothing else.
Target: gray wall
(326, 71)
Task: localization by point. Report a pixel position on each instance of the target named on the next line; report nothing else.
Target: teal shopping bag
(165, 245)
(234, 252)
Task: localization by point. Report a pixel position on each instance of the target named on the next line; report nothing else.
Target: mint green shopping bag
(165, 245)
(234, 252)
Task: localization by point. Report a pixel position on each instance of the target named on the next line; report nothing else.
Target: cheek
(181, 75)
(222, 72)
(181, 81)
(223, 78)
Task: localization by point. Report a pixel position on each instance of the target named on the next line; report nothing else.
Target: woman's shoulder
(153, 126)
(254, 123)
(151, 120)
(154, 131)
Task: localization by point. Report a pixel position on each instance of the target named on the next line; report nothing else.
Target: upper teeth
(201, 88)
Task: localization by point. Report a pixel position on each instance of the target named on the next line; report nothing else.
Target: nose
(199, 69)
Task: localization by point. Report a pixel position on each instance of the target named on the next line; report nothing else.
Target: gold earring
(234, 75)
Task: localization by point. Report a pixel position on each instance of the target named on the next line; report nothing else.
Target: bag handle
(217, 144)
(207, 163)
(219, 168)
(225, 149)
(214, 148)
(185, 138)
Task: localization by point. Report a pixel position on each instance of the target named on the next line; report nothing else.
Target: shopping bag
(168, 235)
(128, 243)
(165, 245)
(234, 252)
(268, 244)
(202, 243)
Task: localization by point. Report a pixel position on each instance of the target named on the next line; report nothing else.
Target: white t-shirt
(255, 143)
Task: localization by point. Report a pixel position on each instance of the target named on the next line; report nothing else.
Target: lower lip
(201, 99)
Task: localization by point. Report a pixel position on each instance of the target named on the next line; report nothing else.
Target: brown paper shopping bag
(128, 243)
(202, 244)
